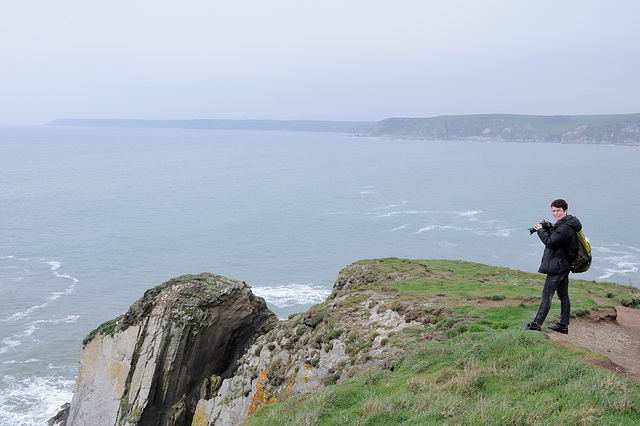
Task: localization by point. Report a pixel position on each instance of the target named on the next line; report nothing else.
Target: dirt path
(618, 340)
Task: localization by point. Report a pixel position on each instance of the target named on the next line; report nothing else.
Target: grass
(466, 361)
(478, 378)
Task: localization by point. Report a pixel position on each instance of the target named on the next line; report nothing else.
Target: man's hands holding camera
(543, 224)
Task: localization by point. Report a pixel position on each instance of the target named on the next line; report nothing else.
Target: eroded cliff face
(202, 350)
(331, 342)
(173, 347)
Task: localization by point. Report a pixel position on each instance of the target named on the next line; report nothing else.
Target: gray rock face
(203, 350)
(173, 347)
(311, 351)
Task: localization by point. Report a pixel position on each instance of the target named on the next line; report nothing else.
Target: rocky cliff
(173, 347)
(316, 349)
(202, 350)
(616, 129)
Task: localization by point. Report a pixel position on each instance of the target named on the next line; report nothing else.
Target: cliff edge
(151, 365)
(202, 350)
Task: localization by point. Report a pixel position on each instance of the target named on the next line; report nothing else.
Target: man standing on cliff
(560, 249)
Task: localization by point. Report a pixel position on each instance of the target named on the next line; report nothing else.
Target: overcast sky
(325, 60)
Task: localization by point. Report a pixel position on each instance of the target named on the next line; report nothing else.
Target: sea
(93, 217)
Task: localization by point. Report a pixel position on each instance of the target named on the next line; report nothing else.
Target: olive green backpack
(582, 263)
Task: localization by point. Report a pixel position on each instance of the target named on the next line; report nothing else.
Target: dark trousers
(555, 283)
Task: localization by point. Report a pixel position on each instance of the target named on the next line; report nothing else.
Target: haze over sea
(93, 217)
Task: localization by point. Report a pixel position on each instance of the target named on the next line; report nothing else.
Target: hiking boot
(560, 328)
(532, 326)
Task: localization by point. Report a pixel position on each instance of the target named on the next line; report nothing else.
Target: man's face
(558, 213)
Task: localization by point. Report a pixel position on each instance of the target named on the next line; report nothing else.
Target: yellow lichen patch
(117, 374)
(200, 417)
(260, 398)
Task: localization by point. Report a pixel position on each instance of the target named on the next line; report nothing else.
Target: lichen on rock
(310, 351)
(149, 365)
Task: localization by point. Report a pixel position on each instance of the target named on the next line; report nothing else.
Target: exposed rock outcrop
(173, 347)
(202, 350)
(312, 350)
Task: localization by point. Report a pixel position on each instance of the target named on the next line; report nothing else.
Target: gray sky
(325, 60)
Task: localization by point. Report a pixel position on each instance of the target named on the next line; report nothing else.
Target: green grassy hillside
(467, 359)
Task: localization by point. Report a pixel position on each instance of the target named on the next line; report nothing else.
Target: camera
(545, 225)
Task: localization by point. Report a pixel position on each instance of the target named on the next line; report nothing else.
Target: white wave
(368, 190)
(292, 294)
(446, 244)
(14, 341)
(398, 228)
(70, 319)
(618, 259)
(497, 233)
(13, 258)
(26, 361)
(618, 249)
(608, 273)
(75, 280)
(8, 344)
(54, 265)
(441, 228)
(25, 313)
(392, 206)
(30, 330)
(620, 267)
(466, 214)
(470, 213)
(405, 212)
(57, 294)
(33, 400)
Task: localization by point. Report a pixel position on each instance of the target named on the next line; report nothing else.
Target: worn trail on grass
(618, 340)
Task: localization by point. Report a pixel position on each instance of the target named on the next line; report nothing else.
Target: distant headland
(615, 129)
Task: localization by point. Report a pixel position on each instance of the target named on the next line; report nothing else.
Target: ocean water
(91, 218)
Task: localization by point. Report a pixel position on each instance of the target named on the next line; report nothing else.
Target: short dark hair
(560, 203)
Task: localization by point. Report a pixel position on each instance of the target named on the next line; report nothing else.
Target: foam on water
(404, 213)
(500, 232)
(25, 313)
(441, 228)
(399, 228)
(470, 213)
(33, 400)
(55, 266)
(368, 190)
(615, 260)
(292, 294)
(32, 388)
(392, 206)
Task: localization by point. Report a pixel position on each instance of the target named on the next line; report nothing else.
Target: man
(560, 249)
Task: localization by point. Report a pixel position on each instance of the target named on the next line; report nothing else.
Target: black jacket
(560, 245)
